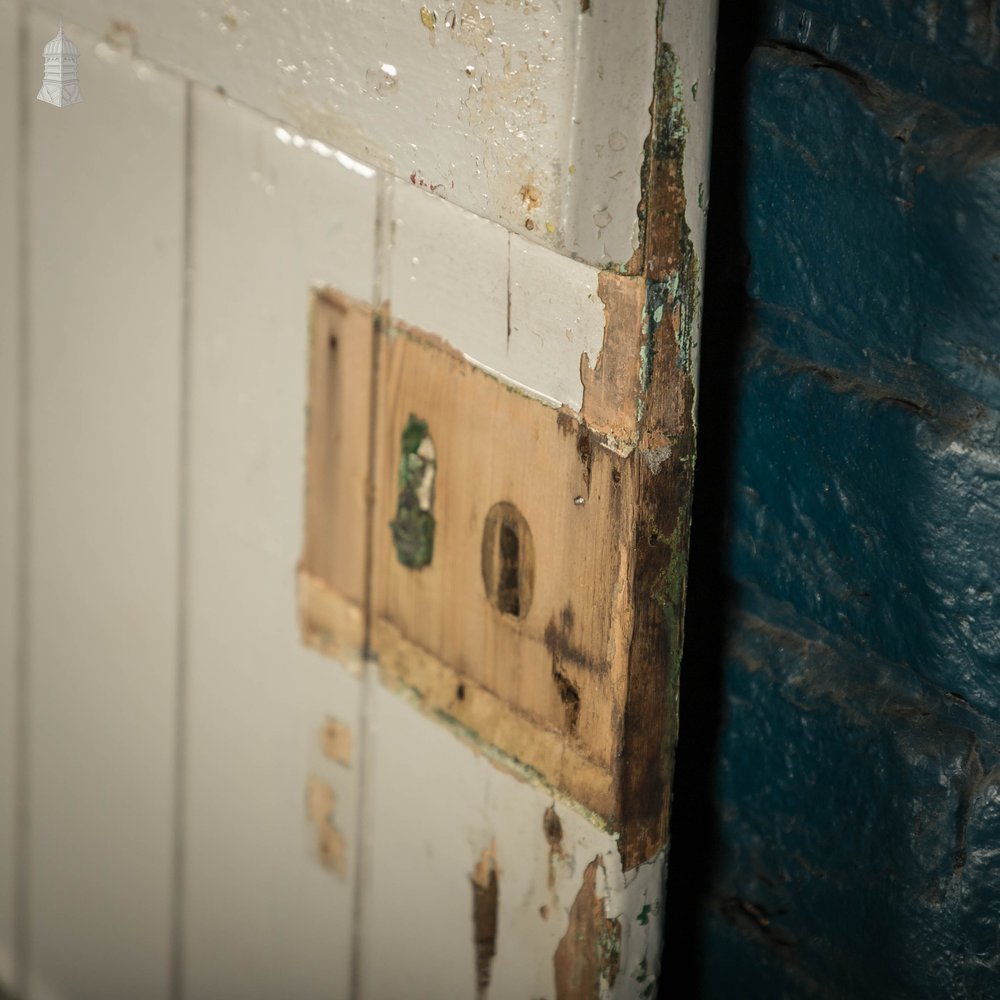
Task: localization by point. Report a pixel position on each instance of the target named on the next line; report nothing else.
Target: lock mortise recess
(332, 570)
(490, 554)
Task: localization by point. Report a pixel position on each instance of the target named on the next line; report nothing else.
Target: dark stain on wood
(508, 560)
(590, 951)
(664, 466)
(569, 695)
(559, 643)
(586, 453)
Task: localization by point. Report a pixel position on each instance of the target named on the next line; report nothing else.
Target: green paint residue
(609, 949)
(413, 527)
(643, 917)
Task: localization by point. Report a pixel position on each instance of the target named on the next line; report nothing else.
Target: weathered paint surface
(266, 840)
(435, 808)
(858, 781)
(589, 954)
(530, 113)
(485, 904)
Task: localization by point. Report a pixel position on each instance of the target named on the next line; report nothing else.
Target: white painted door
(192, 803)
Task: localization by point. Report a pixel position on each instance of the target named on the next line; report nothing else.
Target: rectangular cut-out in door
(332, 571)
(523, 560)
(515, 619)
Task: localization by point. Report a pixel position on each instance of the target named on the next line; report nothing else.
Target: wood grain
(546, 626)
(562, 663)
(332, 571)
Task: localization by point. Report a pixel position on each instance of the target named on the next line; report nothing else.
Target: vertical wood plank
(270, 831)
(106, 196)
(9, 478)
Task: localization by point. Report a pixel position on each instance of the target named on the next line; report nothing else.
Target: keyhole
(508, 560)
(508, 587)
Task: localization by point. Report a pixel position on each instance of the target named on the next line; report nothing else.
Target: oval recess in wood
(508, 560)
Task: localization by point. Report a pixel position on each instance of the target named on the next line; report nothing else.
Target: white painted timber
(104, 301)
(556, 317)
(610, 125)
(448, 273)
(435, 807)
(526, 112)
(9, 480)
(274, 216)
(689, 27)
(511, 306)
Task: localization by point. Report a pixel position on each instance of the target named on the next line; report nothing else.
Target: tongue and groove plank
(271, 847)
(104, 304)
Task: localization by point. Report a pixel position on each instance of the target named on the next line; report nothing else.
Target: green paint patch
(413, 526)
(643, 917)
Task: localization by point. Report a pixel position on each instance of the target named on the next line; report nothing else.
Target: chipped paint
(553, 829)
(485, 904)
(336, 742)
(588, 958)
(331, 848)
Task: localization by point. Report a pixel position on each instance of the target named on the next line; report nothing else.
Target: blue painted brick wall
(854, 846)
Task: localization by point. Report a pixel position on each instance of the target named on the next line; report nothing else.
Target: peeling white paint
(435, 807)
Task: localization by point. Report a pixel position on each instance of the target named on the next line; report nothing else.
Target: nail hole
(460, 693)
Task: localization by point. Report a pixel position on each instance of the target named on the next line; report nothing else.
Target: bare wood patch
(331, 847)
(613, 387)
(589, 953)
(525, 600)
(333, 564)
(485, 905)
(336, 741)
(530, 751)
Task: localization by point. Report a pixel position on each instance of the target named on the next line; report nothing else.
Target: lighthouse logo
(60, 86)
